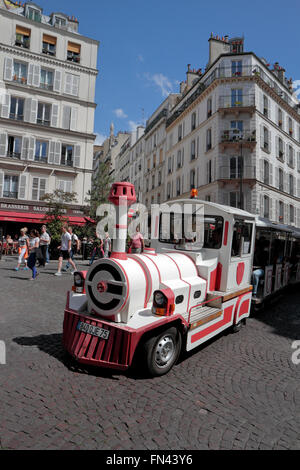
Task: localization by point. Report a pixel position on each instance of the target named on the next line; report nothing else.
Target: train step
(204, 315)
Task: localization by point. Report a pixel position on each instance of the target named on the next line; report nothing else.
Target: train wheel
(162, 351)
(236, 328)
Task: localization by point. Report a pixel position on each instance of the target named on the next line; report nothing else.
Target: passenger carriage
(176, 295)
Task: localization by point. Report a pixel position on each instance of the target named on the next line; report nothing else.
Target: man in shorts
(65, 251)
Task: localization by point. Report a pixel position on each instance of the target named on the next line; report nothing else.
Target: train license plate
(93, 330)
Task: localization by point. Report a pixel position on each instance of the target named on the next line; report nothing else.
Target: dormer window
(59, 21)
(22, 37)
(33, 14)
(73, 54)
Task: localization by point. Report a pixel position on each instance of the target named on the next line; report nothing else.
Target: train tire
(238, 326)
(162, 351)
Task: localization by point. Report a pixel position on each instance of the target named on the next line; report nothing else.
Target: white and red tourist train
(181, 291)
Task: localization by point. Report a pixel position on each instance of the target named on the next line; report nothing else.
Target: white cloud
(132, 125)
(100, 138)
(162, 82)
(120, 113)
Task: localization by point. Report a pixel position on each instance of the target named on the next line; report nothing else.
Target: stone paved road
(239, 391)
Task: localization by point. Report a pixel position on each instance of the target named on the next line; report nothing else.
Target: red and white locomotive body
(172, 296)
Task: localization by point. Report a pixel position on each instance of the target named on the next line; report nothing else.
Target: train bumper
(96, 341)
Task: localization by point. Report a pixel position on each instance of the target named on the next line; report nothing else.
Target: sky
(145, 46)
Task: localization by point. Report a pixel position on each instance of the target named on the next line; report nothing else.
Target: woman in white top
(23, 248)
(34, 243)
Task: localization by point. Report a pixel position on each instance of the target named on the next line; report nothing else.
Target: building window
(16, 108)
(280, 179)
(159, 178)
(193, 121)
(281, 207)
(208, 169)
(193, 150)
(38, 188)
(291, 185)
(22, 37)
(192, 179)
(265, 138)
(236, 68)
(153, 181)
(14, 147)
(20, 72)
(234, 199)
(292, 214)
(280, 149)
(41, 150)
(49, 45)
(236, 97)
(168, 190)
(67, 153)
(178, 181)
(291, 156)
(46, 81)
(208, 140)
(33, 14)
(169, 165)
(179, 132)
(59, 22)
(266, 207)
(235, 167)
(209, 107)
(73, 52)
(10, 188)
(179, 159)
(280, 118)
(43, 114)
(265, 106)
(266, 172)
(290, 124)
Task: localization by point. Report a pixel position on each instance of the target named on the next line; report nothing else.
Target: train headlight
(78, 286)
(163, 302)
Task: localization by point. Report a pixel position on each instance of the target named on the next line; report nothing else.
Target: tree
(100, 189)
(55, 217)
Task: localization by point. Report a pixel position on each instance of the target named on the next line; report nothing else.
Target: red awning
(34, 218)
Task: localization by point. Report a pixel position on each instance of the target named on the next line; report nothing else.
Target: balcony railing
(225, 172)
(10, 194)
(236, 135)
(38, 158)
(23, 43)
(46, 86)
(43, 122)
(233, 102)
(16, 117)
(22, 80)
(16, 155)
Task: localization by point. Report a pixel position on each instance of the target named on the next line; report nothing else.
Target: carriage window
(241, 238)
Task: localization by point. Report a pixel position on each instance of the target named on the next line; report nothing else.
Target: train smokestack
(122, 195)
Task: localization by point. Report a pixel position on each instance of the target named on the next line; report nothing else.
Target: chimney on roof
(217, 46)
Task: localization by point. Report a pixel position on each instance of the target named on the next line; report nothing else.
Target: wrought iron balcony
(229, 102)
(227, 173)
(16, 155)
(236, 135)
(10, 194)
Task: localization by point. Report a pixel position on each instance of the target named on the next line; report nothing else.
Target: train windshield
(191, 232)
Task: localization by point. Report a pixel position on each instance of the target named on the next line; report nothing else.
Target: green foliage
(100, 189)
(55, 217)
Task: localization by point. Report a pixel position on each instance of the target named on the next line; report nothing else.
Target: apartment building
(233, 132)
(48, 76)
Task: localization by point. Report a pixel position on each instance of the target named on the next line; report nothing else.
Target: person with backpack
(75, 246)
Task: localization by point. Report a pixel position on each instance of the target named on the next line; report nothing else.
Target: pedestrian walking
(44, 243)
(34, 242)
(75, 243)
(137, 242)
(97, 250)
(64, 251)
(23, 248)
(107, 245)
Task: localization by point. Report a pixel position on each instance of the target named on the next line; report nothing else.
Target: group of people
(33, 249)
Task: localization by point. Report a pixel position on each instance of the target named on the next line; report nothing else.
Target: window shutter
(36, 75)
(22, 186)
(35, 188)
(68, 84)
(285, 213)
(68, 186)
(182, 156)
(277, 145)
(261, 209)
(270, 174)
(75, 86)
(262, 136)
(54, 115)
(298, 218)
(261, 170)
(57, 154)
(270, 208)
(298, 187)
(25, 148)
(57, 81)
(30, 74)
(77, 152)
(285, 182)
(270, 141)
(277, 177)
(1, 183)
(74, 115)
(27, 109)
(3, 144)
(66, 117)
(5, 108)
(51, 152)
(31, 148)
(33, 111)
(8, 68)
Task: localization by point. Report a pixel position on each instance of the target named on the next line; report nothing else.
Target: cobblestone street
(239, 391)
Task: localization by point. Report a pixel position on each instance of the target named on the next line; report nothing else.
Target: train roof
(266, 223)
(220, 207)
